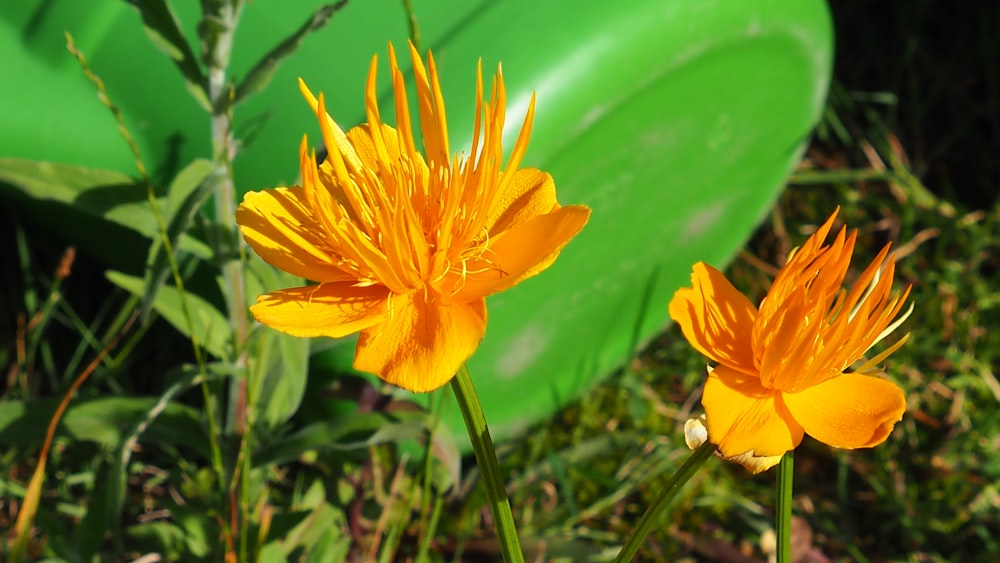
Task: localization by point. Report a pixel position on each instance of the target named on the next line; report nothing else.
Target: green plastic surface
(676, 121)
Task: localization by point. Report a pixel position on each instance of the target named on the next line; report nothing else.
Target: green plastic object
(677, 121)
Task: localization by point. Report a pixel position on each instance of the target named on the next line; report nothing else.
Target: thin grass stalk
(29, 506)
(655, 512)
(434, 407)
(161, 226)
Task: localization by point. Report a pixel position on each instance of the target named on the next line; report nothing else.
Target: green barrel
(677, 121)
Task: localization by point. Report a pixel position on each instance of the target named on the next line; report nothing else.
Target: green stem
(783, 519)
(221, 18)
(226, 16)
(486, 457)
(655, 511)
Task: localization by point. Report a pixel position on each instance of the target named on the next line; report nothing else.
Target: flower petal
(339, 144)
(849, 411)
(279, 226)
(529, 193)
(329, 309)
(716, 318)
(696, 434)
(744, 416)
(375, 150)
(520, 253)
(421, 345)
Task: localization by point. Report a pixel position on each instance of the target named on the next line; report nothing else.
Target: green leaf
(164, 31)
(162, 537)
(316, 527)
(260, 75)
(24, 423)
(207, 325)
(330, 548)
(281, 370)
(88, 534)
(185, 197)
(272, 553)
(105, 194)
(350, 432)
(114, 496)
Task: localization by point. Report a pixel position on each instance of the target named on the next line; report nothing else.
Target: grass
(906, 149)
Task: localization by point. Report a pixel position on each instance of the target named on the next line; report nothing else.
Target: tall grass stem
(654, 513)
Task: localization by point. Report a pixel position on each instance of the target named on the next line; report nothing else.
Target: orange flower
(782, 369)
(406, 245)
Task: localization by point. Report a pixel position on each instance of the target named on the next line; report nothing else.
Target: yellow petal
(530, 193)
(433, 123)
(421, 345)
(329, 309)
(716, 318)
(743, 416)
(374, 151)
(849, 411)
(696, 434)
(521, 252)
(339, 142)
(279, 226)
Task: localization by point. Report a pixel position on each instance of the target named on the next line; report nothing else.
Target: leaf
(260, 75)
(162, 537)
(449, 456)
(346, 433)
(23, 423)
(208, 326)
(330, 548)
(105, 194)
(118, 471)
(272, 553)
(164, 31)
(185, 197)
(316, 527)
(89, 533)
(282, 366)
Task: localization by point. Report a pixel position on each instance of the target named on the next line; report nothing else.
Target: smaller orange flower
(783, 369)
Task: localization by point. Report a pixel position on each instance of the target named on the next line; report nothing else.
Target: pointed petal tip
(716, 318)
(307, 94)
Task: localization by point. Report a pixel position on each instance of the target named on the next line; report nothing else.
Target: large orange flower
(406, 244)
(785, 369)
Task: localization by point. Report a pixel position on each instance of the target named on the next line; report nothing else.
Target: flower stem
(783, 519)
(652, 516)
(486, 457)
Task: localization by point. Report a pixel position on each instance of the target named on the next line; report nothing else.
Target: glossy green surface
(676, 121)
